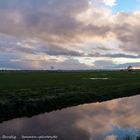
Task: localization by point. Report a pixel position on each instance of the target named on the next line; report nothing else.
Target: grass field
(28, 93)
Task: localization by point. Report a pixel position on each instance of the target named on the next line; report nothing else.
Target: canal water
(112, 120)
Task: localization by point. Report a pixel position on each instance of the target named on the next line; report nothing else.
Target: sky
(69, 34)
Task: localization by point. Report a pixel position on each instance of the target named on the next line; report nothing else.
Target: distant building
(130, 68)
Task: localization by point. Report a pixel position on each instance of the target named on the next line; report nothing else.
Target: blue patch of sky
(127, 5)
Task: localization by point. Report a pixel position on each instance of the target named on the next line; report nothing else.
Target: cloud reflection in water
(97, 121)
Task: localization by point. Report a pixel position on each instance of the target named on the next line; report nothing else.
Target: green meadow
(26, 93)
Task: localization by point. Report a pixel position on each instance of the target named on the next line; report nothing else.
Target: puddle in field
(99, 78)
(112, 120)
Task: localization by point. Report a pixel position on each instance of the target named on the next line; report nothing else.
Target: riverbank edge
(16, 108)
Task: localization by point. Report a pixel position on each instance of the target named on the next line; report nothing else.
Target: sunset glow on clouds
(69, 34)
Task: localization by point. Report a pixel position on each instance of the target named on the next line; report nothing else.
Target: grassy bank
(30, 93)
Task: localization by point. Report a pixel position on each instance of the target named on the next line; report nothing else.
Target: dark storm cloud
(12, 45)
(115, 55)
(128, 31)
(55, 50)
(40, 17)
(50, 20)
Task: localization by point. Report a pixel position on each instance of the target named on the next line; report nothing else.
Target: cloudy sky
(69, 34)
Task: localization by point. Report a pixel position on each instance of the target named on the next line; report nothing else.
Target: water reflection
(113, 120)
